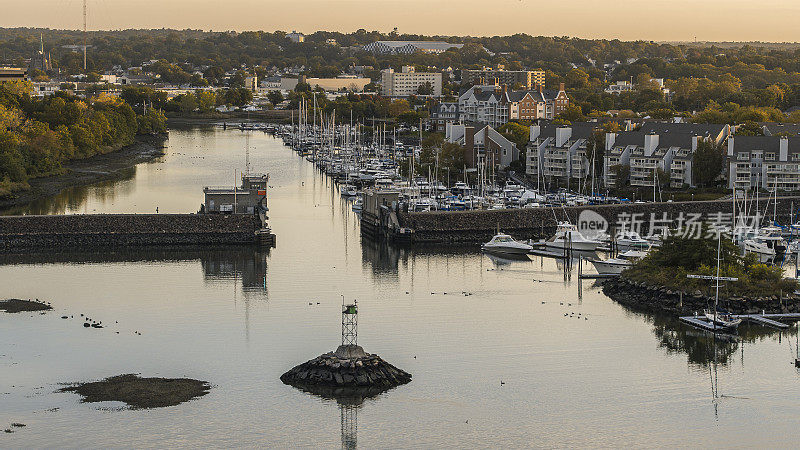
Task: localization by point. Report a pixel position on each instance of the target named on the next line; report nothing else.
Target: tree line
(38, 135)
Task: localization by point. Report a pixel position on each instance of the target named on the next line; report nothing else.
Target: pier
(81, 231)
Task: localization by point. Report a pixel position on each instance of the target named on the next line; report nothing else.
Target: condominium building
(408, 81)
(659, 145)
(529, 79)
(766, 162)
(495, 105)
(559, 154)
(444, 113)
(482, 145)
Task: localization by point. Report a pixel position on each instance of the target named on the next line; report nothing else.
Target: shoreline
(662, 300)
(84, 172)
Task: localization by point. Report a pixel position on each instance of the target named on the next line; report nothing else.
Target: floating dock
(770, 320)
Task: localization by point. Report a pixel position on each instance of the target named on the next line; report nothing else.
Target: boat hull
(609, 267)
(580, 246)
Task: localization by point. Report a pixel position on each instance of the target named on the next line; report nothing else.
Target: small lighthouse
(349, 370)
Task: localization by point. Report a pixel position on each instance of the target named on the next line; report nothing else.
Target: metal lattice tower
(349, 323)
(84, 35)
(349, 426)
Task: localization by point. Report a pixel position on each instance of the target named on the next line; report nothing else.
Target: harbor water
(503, 353)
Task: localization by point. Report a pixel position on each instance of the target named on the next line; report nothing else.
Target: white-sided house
(764, 161)
(618, 153)
(541, 137)
(484, 105)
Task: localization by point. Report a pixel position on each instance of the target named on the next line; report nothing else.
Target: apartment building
(483, 105)
(766, 162)
(444, 113)
(529, 79)
(618, 153)
(408, 81)
(482, 145)
(559, 154)
(495, 105)
(536, 104)
(659, 145)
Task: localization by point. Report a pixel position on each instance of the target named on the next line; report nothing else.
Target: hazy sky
(740, 20)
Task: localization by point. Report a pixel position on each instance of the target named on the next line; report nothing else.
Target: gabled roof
(698, 129)
(669, 140)
(773, 129)
(626, 138)
(750, 143)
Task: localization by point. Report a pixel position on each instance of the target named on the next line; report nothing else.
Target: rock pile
(663, 300)
(348, 368)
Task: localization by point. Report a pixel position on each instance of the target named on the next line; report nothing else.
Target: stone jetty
(70, 232)
(347, 369)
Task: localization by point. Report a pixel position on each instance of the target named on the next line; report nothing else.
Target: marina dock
(771, 320)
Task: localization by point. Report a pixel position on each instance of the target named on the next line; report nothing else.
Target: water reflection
(219, 263)
(76, 198)
(704, 349)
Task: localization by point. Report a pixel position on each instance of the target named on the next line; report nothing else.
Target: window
(769, 156)
(742, 155)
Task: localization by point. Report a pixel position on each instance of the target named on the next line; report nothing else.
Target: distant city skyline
(682, 20)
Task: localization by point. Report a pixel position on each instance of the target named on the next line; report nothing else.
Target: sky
(665, 20)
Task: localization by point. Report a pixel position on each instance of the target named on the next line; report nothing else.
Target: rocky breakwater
(347, 371)
(658, 299)
(69, 232)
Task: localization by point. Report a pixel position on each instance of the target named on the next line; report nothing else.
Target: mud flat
(140, 393)
(15, 305)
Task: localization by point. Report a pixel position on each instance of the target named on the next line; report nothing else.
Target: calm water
(239, 318)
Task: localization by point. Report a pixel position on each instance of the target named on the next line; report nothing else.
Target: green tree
(622, 172)
(206, 100)
(187, 102)
(749, 129)
(275, 97)
(708, 162)
(425, 88)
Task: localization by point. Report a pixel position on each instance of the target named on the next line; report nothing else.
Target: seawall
(441, 227)
(70, 232)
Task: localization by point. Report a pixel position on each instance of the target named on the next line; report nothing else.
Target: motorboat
(631, 240)
(568, 236)
(615, 266)
(503, 243)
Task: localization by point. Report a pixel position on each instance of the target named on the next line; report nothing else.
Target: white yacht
(615, 266)
(568, 236)
(631, 240)
(503, 243)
